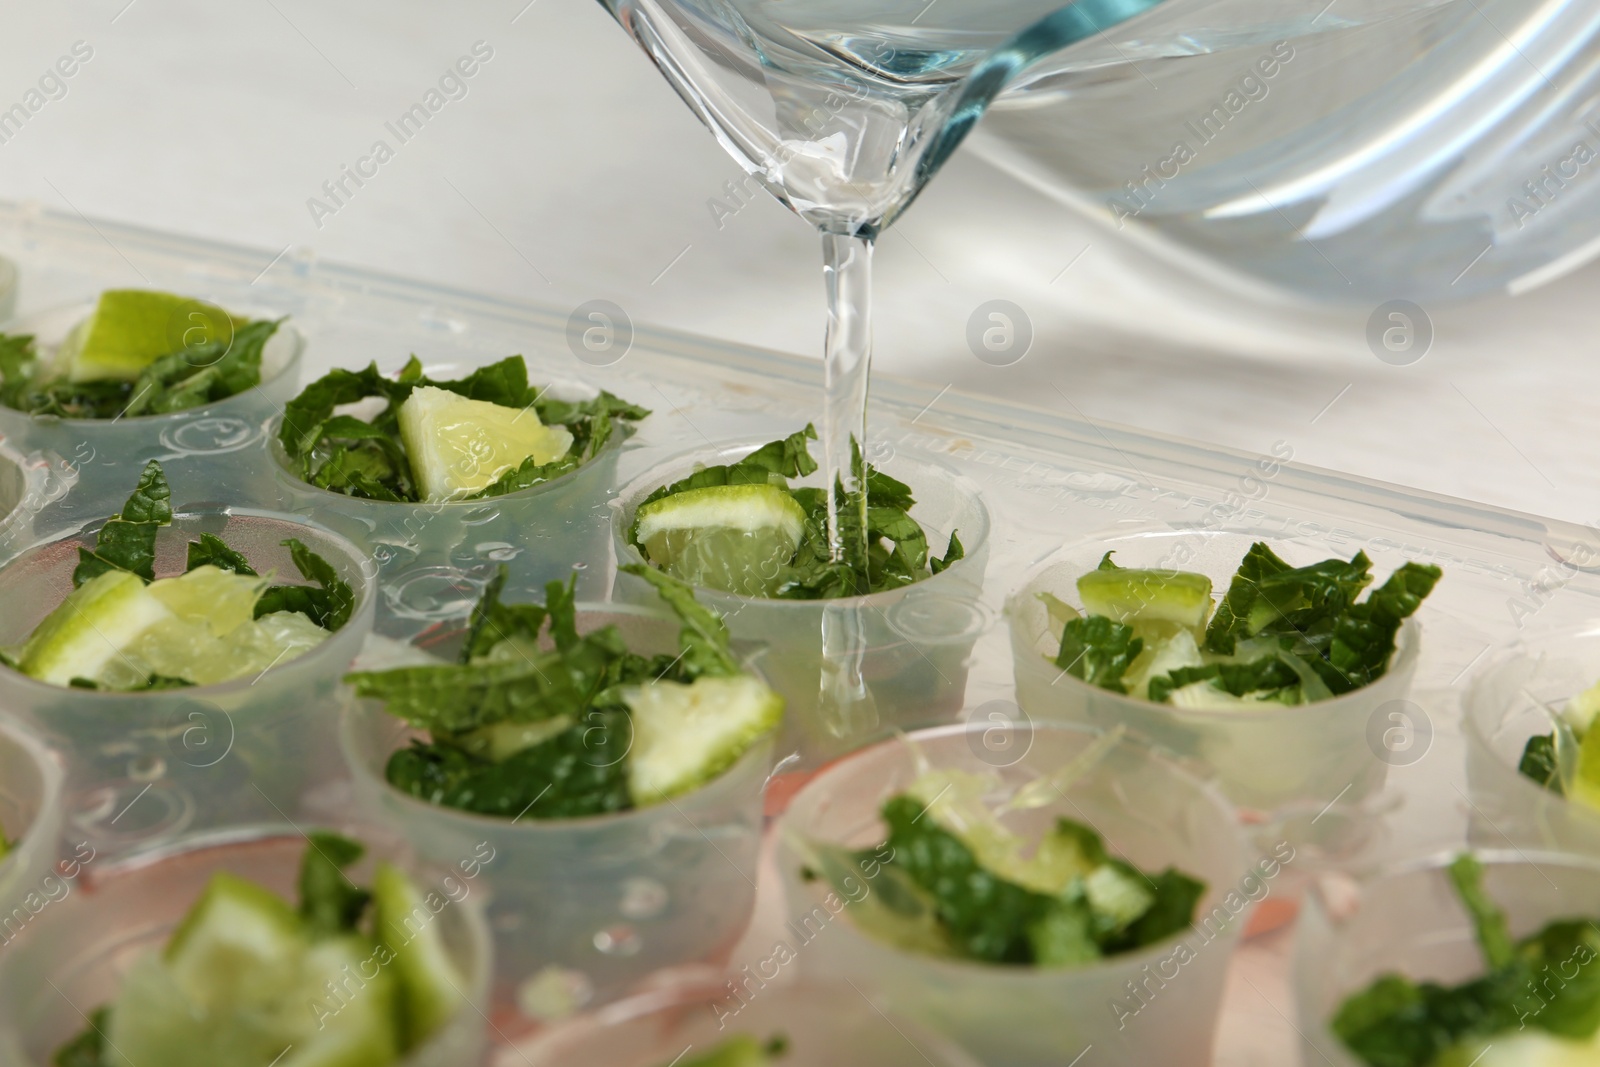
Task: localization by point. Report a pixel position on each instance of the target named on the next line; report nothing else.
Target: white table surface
(569, 172)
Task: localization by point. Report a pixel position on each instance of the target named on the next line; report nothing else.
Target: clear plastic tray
(1045, 479)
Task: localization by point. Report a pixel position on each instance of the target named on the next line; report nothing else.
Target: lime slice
(87, 636)
(1530, 1048)
(221, 599)
(741, 1050)
(1585, 785)
(1581, 709)
(267, 642)
(686, 735)
(239, 943)
(430, 989)
(736, 538)
(130, 329)
(1128, 594)
(458, 446)
(239, 985)
(355, 1011)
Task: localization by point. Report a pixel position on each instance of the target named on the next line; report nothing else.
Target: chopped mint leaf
(196, 376)
(1396, 1022)
(1539, 762)
(330, 904)
(886, 551)
(580, 771)
(518, 727)
(704, 638)
(1106, 908)
(88, 1049)
(128, 540)
(367, 457)
(328, 603)
(1281, 634)
(1098, 650)
(211, 551)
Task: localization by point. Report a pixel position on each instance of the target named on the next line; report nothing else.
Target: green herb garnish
(366, 457)
(200, 374)
(1280, 635)
(1547, 983)
(888, 551)
(537, 720)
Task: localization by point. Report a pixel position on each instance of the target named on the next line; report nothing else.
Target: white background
(570, 172)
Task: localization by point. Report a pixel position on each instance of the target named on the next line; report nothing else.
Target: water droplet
(580, 566)
(499, 551)
(643, 898)
(619, 940)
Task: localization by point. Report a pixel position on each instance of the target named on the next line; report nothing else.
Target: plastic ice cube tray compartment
(1045, 480)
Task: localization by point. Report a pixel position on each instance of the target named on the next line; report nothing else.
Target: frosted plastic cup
(434, 559)
(825, 1026)
(212, 454)
(30, 819)
(72, 959)
(858, 668)
(28, 484)
(1306, 755)
(603, 899)
(1408, 920)
(1157, 1005)
(144, 767)
(1518, 693)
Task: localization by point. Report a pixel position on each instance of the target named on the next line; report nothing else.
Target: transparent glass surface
(607, 899)
(854, 669)
(1517, 694)
(1426, 149)
(76, 951)
(28, 484)
(434, 559)
(144, 767)
(1408, 920)
(1155, 1005)
(210, 454)
(1311, 754)
(825, 1025)
(30, 821)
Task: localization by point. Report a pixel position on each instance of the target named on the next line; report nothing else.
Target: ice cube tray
(1046, 480)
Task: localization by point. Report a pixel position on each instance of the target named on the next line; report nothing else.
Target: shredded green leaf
(329, 603)
(127, 541)
(367, 458)
(888, 550)
(199, 375)
(1549, 981)
(330, 904)
(526, 674)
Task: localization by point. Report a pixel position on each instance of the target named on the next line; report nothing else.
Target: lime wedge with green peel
(240, 941)
(686, 735)
(1128, 594)
(741, 1050)
(459, 446)
(130, 329)
(735, 538)
(89, 634)
(408, 927)
(240, 984)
